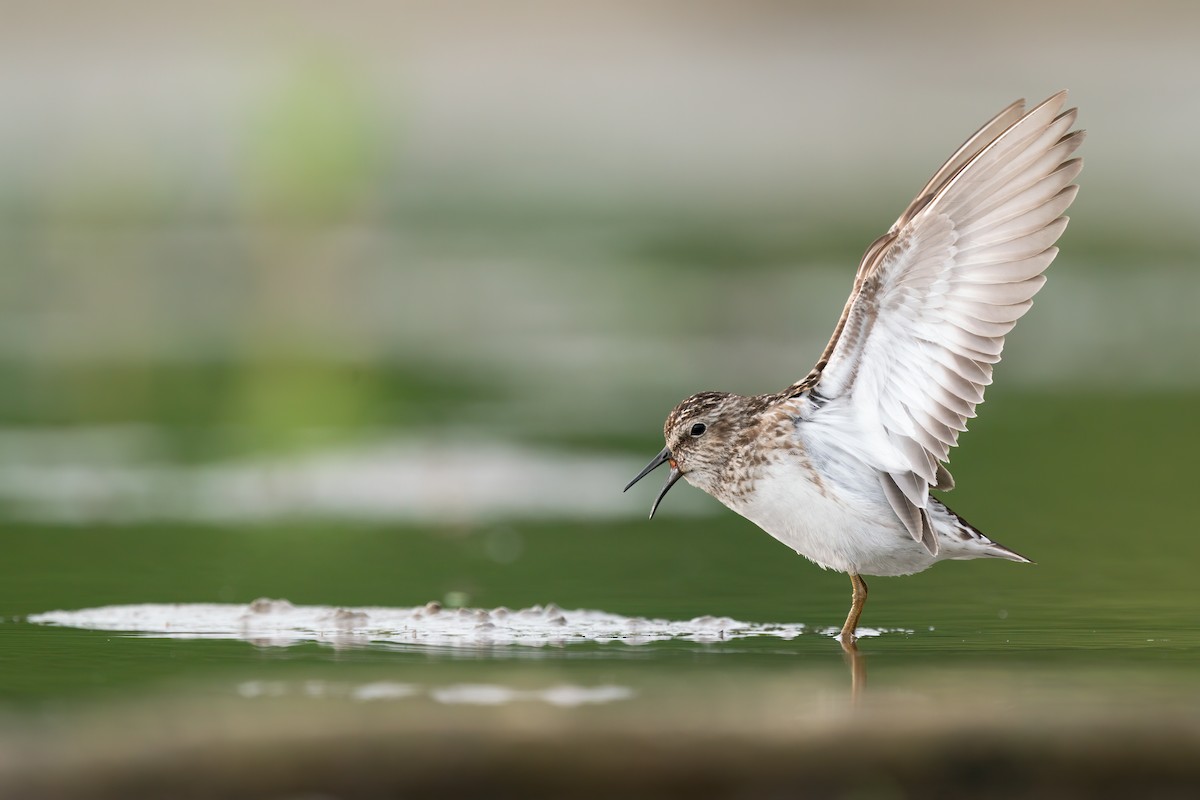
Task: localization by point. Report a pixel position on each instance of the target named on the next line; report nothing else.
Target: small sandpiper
(838, 466)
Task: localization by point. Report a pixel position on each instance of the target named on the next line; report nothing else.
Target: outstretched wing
(934, 298)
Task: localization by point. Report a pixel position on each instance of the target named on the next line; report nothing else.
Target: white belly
(840, 529)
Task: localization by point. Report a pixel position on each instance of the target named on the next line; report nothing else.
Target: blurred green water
(1103, 506)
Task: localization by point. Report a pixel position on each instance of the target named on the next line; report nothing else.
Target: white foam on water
(279, 623)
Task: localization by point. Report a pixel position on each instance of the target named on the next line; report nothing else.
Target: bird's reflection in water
(858, 670)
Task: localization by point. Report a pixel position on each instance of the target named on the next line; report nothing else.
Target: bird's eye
(698, 429)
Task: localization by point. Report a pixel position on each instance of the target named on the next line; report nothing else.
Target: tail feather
(968, 533)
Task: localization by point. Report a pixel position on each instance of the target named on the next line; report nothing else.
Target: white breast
(836, 526)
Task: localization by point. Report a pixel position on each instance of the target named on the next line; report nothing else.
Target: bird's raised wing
(934, 298)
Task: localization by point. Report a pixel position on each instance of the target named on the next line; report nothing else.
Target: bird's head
(701, 433)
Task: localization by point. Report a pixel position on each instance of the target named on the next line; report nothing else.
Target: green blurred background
(259, 240)
(378, 303)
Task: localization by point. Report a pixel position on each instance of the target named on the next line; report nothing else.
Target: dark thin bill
(671, 481)
(654, 464)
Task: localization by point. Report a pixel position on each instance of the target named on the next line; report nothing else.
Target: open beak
(662, 458)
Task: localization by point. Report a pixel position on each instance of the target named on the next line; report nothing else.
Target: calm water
(1077, 490)
(1099, 635)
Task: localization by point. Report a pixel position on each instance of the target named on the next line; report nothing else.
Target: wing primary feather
(1005, 207)
(974, 143)
(1018, 271)
(1019, 133)
(1023, 247)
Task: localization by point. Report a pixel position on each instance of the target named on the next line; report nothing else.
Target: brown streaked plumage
(839, 465)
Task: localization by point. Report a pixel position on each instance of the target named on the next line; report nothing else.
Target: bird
(840, 464)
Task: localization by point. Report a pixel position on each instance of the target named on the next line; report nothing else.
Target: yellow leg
(857, 602)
